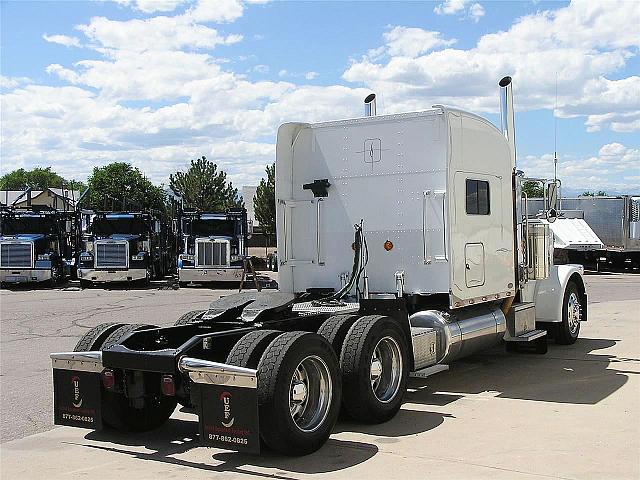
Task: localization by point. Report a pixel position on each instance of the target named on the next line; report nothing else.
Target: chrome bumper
(214, 373)
(80, 361)
(230, 274)
(17, 275)
(129, 275)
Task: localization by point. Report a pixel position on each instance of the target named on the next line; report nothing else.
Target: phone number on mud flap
(77, 418)
(226, 439)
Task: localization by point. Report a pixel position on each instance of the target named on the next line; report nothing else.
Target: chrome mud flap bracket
(77, 395)
(227, 404)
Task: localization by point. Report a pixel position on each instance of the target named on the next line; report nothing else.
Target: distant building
(248, 195)
(58, 198)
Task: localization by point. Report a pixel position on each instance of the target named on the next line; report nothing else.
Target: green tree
(38, 179)
(533, 189)
(205, 188)
(264, 203)
(119, 186)
(593, 194)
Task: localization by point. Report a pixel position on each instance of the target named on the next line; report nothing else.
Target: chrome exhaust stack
(370, 105)
(507, 123)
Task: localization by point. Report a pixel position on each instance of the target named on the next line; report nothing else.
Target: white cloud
(63, 73)
(263, 69)
(62, 40)
(216, 11)
(12, 82)
(458, 7)
(154, 91)
(150, 6)
(450, 7)
(476, 12)
(156, 33)
(614, 169)
(584, 43)
(411, 42)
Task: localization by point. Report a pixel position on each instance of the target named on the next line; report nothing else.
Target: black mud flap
(77, 399)
(228, 417)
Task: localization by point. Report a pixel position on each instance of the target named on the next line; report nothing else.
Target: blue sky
(158, 82)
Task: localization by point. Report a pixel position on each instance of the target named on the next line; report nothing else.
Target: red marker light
(108, 379)
(388, 245)
(168, 385)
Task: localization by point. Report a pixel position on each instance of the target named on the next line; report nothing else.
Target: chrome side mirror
(552, 196)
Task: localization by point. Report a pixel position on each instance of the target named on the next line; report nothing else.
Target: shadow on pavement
(406, 422)
(179, 436)
(566, 374)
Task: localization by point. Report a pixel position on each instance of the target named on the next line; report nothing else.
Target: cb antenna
(555, 136)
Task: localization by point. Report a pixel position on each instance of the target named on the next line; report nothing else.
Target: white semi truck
(403, 246)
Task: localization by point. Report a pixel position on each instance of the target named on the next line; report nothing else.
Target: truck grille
(212, 254)
(111, 254)
(15, 255)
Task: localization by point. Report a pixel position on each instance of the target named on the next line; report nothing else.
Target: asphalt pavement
(573, 413)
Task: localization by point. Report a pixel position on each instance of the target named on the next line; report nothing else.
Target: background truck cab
(35, 245)
(212, 246)
(124, 247)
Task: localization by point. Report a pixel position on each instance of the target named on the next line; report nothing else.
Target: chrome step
(427, 372)
(526, 337)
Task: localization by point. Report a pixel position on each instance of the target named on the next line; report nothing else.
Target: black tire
(335, 329)
(248, 350)
(93, 339)
(359, 400)
(86, 283)
(189, 317)
(276, 371)
(564, 334)
(121, 332)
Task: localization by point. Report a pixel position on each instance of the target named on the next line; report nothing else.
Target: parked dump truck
(212, 246)
(403, 246)
(124, 247)
(37, 245)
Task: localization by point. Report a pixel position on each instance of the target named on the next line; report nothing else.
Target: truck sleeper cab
(438, 264)
(212, 246)
(35, 246)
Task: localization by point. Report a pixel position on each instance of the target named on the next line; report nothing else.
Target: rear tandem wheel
(299, 392)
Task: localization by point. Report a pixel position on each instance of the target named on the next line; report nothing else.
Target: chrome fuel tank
(464, 332)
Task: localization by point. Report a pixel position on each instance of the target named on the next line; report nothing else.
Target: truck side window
(477, 197)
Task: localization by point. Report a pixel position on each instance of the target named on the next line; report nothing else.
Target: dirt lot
(573, 413)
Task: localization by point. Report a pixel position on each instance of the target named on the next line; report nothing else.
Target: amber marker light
(388, 245)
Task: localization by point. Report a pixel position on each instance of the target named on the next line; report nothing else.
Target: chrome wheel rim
(386, 369)
(310, 393)
(574, 313)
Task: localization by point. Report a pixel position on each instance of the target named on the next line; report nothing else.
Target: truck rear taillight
(108, 379)
(168, 385)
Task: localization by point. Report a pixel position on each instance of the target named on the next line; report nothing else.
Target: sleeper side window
(477, 197)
